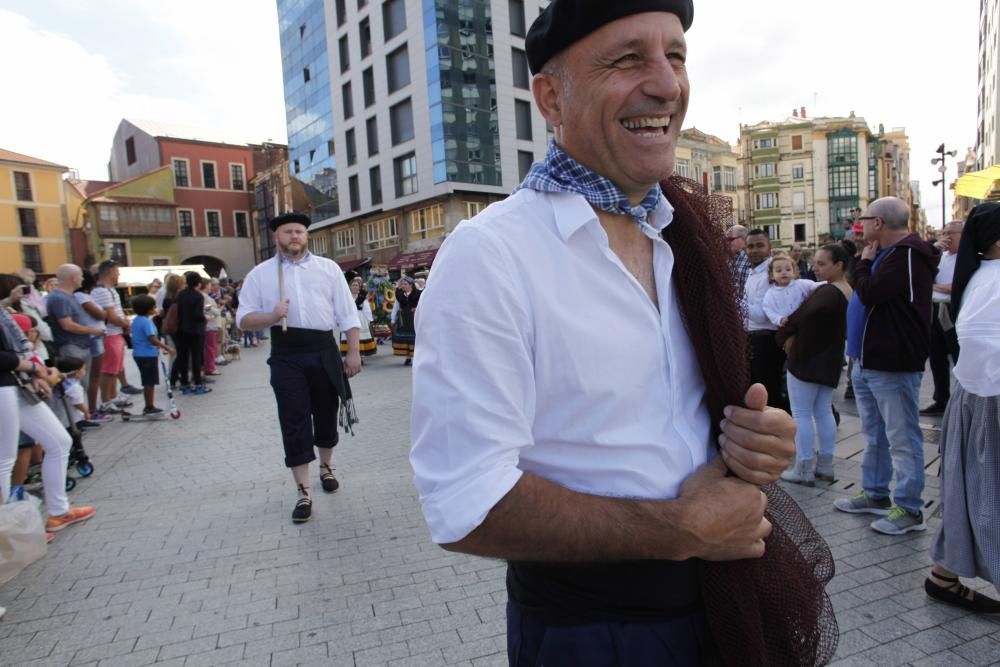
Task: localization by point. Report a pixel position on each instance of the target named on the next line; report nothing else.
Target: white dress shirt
(978, 327)
(780, 302)
(539, 352)
(945, 275)
(758, 283)
(318, 296)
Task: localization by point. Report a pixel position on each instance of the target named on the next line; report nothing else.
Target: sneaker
(220, 359)
(201, 390)
(85, 424)
(187, 389)
(111, 409)
(152, 412)
(899, 522)
(863, 504)
(934, 410)
(129, 389)
(101, 417)
(122, 402)
(74, 515)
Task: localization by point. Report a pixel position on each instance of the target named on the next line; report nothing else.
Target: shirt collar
(760, 267)
(297, 262)
(572, 211)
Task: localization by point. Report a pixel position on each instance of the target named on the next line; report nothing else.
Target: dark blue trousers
(677, 642)
(307, 405)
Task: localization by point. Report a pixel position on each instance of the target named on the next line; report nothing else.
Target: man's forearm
(69, 326)
(257, 321)
(539, 520)
(354, 341)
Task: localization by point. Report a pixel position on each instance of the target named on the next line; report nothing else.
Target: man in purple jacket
(893, 281)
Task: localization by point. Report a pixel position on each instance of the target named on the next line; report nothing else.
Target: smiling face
(620, 102)
(782, 272)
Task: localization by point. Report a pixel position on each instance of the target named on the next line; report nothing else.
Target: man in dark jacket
(893, 282)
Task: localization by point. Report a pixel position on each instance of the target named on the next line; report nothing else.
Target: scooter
(172, 411)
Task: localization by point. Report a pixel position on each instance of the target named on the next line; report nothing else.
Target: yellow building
(32, 214)
(712, 162)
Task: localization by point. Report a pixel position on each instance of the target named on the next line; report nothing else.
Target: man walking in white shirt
(944, 341)
(767, 360)
(304, 299)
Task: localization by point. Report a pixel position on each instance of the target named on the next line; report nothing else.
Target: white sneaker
(122, 401)
(219, 359)
(110, 408)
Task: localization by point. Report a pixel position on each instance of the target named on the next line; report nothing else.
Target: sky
(86, 64)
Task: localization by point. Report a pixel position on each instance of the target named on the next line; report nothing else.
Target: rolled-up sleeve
(473, 383)
(344, 308)
(250, 301)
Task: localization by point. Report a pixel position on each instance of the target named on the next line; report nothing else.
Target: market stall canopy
(140, 276)
(983, 184)
(408, 260)
(351, 264)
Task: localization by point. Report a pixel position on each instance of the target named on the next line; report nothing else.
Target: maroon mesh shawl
(774, 610)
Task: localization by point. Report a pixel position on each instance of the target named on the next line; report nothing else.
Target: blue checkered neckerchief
(558, 172)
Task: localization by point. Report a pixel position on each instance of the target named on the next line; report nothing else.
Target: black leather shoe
(978, 603)
(330, 483)
(933, 410)
(303, 507)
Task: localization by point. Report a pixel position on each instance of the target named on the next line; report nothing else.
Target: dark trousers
(944, 344)
(307, 405)
(767, 366)
(190, 353)
(677, 642)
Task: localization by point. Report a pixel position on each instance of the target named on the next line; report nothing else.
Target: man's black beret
(566, 21)
(287, 218)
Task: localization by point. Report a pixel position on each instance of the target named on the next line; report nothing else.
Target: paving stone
(982, 651)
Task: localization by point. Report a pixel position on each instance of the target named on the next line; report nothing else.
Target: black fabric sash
(306, 341)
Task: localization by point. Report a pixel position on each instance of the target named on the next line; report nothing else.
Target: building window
(354, 193)
(345, 55)
(236, 177)
(375, 184)
(185, 222)
(798, 172)
(22, 186)
(796, 142)
(181, 179)
(344, 242)
(798, 201)
(766, 200)
(716, 179)
(515, 8)
(306, 75)
(371, 132)
(766, 170)
(393, 18)
(401, 122)
(381, 234)
(130, 150)
(729, 179)
(368, 85)
(341, 12)
(524, 161)
(161, 261)
(682, 167)
(32, 256)
(352, 149)
(844, 181)
(474, 208)
(362, 3)
(800, 232)
(208, 175)
(26, 218)
(118, 252)
(426, 223)
(522, 77)
(397, 69)
(347, 96)
(768, 142)
(240, 219)
(522, 117)
(843, 148)
(772, 232)
(212, 222)
(405, 172)
(365, 32)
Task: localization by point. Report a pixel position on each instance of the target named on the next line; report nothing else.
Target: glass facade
(461, 78)
(308, 103)
(842, 162)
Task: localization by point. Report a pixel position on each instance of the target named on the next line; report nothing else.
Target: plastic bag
(22, 534)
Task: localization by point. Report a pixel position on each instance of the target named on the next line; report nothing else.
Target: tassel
(348, 416)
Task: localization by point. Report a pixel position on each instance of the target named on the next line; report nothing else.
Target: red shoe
(74, 515)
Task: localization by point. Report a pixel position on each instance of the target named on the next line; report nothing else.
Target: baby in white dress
(787, 290)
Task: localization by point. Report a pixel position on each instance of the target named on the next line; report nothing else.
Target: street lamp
(942, 169)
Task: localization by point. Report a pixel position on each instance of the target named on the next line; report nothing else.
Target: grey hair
(893, 211)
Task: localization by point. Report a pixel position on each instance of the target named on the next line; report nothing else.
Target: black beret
(287, 218)
(566, 21)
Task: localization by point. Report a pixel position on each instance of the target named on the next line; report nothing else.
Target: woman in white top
(968, 542)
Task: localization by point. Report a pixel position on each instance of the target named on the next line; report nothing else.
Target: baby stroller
(77, 454)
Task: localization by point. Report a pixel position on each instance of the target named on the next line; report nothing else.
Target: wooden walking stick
(281, 293)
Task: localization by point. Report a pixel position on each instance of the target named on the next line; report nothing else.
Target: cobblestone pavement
(192, 558)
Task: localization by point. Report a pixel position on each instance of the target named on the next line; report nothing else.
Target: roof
(193, 133)
(11, 156)
(88, 188)
(135, 201)
(694, 134)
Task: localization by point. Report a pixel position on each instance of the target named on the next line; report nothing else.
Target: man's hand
(723, 517)
(280, 310)
(95, 331)
(871, 250)
(757, 442)
(352, 364)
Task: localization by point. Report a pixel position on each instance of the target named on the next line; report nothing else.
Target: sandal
(303, 507)
(959, 597)
(330, 483)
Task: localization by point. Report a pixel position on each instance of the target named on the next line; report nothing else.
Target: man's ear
(547, 90)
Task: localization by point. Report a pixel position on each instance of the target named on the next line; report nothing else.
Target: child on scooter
(145, 351)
